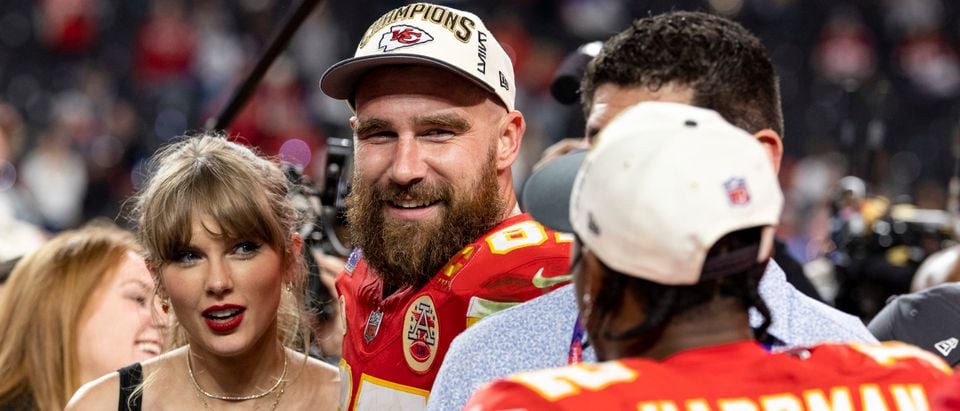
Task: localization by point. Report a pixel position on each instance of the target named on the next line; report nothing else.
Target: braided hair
(662, 303)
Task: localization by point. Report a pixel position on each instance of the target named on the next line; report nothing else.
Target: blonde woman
(220, 240)
(74, 309)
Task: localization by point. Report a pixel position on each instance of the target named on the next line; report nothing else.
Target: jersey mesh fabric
(738, 376)
(516, 261)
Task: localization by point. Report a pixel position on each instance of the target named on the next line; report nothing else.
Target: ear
(155, 272)
(296, 243)
(771, 141)
(511, 135)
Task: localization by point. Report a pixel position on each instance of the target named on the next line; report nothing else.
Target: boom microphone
(277, 44)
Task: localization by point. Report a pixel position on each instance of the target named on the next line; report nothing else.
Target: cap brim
(340, 80)
(546, 194)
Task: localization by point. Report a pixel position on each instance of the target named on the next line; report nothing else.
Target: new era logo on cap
(403, 35)
(929, 319)
(946, 346)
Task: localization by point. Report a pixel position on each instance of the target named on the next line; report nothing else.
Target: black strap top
(131, 377)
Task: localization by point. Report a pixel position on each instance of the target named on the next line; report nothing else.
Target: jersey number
(562, 382)
(520, 235)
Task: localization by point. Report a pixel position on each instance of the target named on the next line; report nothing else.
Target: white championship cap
(663, 183)
(431, 35)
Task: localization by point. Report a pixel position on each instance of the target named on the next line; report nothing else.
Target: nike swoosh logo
(540, 281)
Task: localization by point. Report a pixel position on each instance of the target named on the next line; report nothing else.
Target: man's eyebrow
(365, 126)
(448, 121)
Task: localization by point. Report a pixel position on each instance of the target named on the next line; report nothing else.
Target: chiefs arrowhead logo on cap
(403, 35)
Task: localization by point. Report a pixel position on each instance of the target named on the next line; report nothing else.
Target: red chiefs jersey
(393, 347)
(948, 398)
(732, 377)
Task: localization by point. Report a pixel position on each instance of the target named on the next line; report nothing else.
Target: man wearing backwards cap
(441, 241)
(674, 211)
(684, 57)
(929, 319)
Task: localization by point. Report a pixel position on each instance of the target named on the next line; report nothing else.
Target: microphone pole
(278, 43)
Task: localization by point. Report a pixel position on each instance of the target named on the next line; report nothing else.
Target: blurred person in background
(940, 267)
(17, 236)
(54, 172)
(68, 26)
(165, 45)
(276, 122)
(221, 241)
(71, 311)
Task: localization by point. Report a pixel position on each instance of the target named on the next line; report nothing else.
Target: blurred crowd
(89, 88)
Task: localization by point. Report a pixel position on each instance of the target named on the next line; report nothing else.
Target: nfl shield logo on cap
(737, 191)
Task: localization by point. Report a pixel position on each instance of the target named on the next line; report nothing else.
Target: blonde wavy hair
(205, 174)
(40, 308)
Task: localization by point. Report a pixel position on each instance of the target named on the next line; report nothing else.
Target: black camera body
(322, 207)
(337, 172)
(321, 210)
(877, 257)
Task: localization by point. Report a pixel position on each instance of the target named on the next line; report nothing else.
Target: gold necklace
(280, 381)
(276, 401)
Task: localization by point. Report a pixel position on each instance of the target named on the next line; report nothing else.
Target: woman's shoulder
(99, 394)
(318, 383)
(322, 372)
(318, 372)
(104, 392)
(162, 359)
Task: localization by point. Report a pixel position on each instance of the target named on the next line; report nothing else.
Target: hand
(330, 333)
(561, 148)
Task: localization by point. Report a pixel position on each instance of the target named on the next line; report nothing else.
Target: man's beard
(405, 252)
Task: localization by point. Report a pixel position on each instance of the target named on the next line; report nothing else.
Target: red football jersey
(393, 347)
(732, 377)
(948, 398)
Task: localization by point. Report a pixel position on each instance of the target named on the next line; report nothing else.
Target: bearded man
(441, 240)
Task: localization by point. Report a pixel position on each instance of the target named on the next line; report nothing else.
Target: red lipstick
(223, 318)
